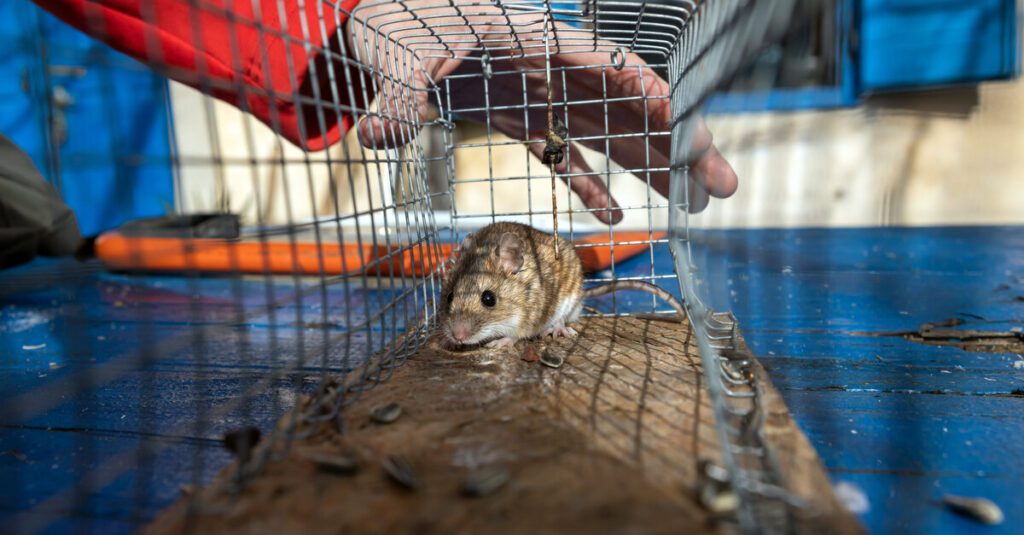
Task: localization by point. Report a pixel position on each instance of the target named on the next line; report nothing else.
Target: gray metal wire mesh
(349, 242)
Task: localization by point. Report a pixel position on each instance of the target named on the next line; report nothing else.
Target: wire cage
(309, 242)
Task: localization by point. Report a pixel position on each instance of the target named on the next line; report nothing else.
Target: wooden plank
(898, 426)
(610, 442)
(906, 450)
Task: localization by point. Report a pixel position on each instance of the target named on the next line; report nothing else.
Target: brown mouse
(507, 283)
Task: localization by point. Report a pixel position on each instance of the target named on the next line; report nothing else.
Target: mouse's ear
(510, 253)
(467, 242)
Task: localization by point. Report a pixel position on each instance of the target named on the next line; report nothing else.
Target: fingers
(401, 104)
(714, 174)
(710, 172)
(587, 185)
(398, 81)
(697, 198)
(385, 36)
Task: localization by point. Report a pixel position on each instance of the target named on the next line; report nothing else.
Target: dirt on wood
(949, 334)
(497, 441)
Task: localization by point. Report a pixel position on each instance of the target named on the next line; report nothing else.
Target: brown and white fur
(533, 291)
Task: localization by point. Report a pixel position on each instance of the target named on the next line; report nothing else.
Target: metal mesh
(331, 281)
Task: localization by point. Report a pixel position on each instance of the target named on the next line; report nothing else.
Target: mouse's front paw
(501, 342)
(565, 331)
(559, 331)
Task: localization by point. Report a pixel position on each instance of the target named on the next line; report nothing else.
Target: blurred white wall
(947, 157)
(229, 161)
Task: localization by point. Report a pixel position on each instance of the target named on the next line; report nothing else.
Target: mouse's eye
(449, 298)
(488, 298)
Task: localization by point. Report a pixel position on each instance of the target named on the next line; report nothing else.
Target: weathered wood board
(610, 442)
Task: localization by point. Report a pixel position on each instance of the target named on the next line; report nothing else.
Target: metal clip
(485, 65)
(619, 58)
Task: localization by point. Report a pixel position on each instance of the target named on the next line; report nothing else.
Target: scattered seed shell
(552, 360)
(400, 471)
(386, 414)
(483, 482)
(335, 464)
(720, 503)
(242, 441)
(714, 492)
(981, 509)
(717, 497)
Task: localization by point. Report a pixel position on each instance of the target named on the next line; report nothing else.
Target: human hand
(624, 112)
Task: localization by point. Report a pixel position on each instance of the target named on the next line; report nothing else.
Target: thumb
(401, 103)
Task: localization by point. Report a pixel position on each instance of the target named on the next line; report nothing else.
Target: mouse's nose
(460, 331)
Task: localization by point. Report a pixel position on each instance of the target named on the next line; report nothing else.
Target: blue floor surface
(905, 422)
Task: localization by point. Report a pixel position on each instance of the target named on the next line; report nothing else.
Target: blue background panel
(114, 161)
(920, 43)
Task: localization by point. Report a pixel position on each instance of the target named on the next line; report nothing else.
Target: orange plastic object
(139, 253)
(627, 244)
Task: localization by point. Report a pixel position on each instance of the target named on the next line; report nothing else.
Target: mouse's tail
(639, 286)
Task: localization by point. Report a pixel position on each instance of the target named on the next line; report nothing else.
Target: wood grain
(608, 443)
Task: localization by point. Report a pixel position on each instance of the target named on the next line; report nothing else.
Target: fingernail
(611, 217)
(361, 131)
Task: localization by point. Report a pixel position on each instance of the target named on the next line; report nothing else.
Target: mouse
(508, 282)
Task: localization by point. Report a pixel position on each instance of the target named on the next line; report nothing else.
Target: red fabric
(235, 58)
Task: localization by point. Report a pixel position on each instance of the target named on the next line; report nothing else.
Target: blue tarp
(113, 163)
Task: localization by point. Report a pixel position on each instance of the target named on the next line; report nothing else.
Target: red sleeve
(256, 60)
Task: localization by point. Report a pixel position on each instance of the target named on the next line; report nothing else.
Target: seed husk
(552, 360)
(714, 492)
(981, 509)
(335, 464)
(483, 482)
(386, 414)
(401, 471)
(242, 441)
(719, 501)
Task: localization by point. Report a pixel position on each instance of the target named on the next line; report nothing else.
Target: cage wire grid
(387, 210)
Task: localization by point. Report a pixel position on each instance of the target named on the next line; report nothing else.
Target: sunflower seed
(980, 509)
(400, 471)
(335, 464)
(242, 441)
(551, 360)
(386, 414)
(721, 502)
(714, 491)
(485, 481)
